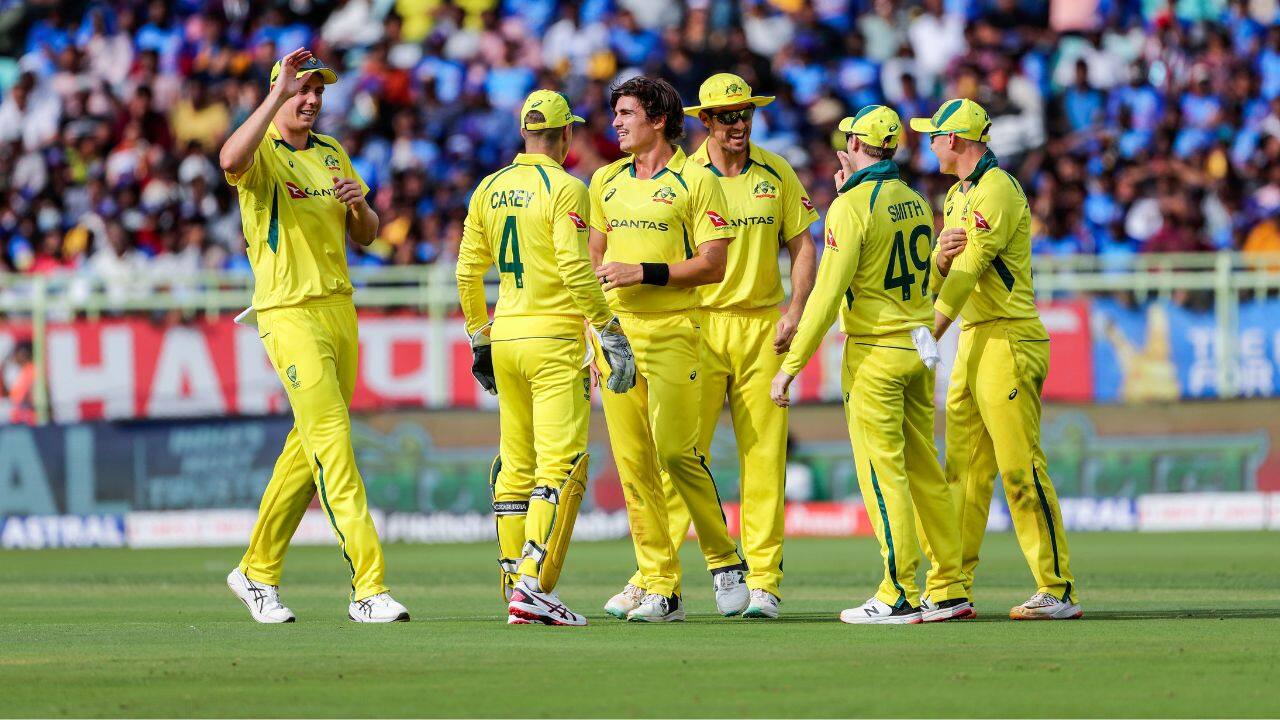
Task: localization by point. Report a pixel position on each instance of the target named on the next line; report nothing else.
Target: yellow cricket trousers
(738, 361)
(993, 425)
(889, 408)
(654, 428)
(314, 348)
(544, 408)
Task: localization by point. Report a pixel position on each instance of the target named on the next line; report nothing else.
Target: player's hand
(787, 326)
(617, 352)
(288, 83)
(951, 243)
(846, 169)
(618, 275)
(780, 391)
(348, 193)
(482, 360)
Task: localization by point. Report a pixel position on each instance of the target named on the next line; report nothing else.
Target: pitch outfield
(1176, 625)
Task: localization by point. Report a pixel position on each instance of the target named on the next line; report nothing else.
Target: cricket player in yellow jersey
(993, 403)
(875, 273)
(658, 232)
(530, 218)
(300, 199)
(744, 336)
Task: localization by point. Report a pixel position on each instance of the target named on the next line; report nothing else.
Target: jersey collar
(985, 163)
(883, 170)
(536, 159)
(279, 140)
(703, 157)
(675, 164)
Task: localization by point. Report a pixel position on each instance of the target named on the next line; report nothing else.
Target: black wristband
(655, 273)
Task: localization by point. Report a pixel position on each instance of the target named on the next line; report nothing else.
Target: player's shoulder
(854, 202)
(999, 186)
(771, 162)
(491, 178)
(604, 175)
(694, 174)
(328, 141)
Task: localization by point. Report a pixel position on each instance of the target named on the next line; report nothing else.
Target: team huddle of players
(672, 261)
(662, 280)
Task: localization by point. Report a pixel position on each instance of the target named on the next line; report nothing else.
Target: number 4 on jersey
(512, 239)
(898, 274)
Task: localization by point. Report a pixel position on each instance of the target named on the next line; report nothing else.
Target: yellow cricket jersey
(875, 265)
(767, 206)
(991, 278)
(531, 219)
(295, 227)
(661, 220)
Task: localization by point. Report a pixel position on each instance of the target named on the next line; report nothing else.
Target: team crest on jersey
(765, 189)
(807, 203)
(578, 222)
(716, 220)
(831, 240)
(610, 194)
(979, 222)
(330, 162)
(295, 192)
(665, 195)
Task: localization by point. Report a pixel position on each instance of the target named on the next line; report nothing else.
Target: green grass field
(1176, 625)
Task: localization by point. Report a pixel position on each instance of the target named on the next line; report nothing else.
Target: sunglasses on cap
(729, 117)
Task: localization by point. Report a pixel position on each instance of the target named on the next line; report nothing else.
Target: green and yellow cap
(965, 118)
(876, 125)
(554, 107)
(314, 65)
(722, 90)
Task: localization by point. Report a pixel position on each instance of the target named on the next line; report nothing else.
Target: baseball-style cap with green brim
(723, 90)
(313, 65)
(554, 107)
(875, 125)
(965, 118)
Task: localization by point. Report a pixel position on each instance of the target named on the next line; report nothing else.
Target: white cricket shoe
(956, 609)
(732, 593)
(877, 612)
(263, 601)
(539, 607)
(658, 608)
(764, 604)
(621, 605)
(380, 608)
(1043, 606)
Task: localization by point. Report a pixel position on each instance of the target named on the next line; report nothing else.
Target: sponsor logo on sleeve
(831, 240)
(806, 202)
(578, 222)
(716, 219)
(979, 222)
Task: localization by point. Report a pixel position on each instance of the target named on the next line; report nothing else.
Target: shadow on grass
(1183, 614)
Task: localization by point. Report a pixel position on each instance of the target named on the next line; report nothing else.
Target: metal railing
(431, 291)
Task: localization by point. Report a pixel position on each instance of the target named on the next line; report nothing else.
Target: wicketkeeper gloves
(617, 352)
(482, 360)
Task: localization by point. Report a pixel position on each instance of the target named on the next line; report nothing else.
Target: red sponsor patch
(806, 202)
(716, 220)
(295, 192)
(831, 240)
(578, 222)
(979, 222)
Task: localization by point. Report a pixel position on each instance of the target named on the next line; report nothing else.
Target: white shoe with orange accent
(1043, 606)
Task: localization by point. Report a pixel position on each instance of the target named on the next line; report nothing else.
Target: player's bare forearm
(804, 271)
(940, 324)
(705, 268)
(597, 243)
(362, 222)
(236, 154)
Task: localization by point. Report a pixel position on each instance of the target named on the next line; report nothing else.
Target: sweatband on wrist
(655, 273)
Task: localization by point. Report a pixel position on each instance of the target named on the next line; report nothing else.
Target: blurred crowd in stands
(1135, 125)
